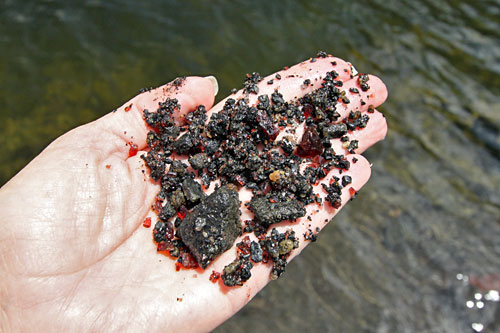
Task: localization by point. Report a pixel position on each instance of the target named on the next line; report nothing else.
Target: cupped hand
(74, 253)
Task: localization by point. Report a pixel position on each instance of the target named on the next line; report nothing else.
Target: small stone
(256, 252)
(177, 198)
(212, 226)
(335, 131)
(192, 191)
(346, 180)
(276, 175)
(267, 212)
(167, 212)
(310, 144)
(184, 144)
(198, 161)
(285, 246)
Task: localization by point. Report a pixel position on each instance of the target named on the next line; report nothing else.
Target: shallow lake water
(419, 249)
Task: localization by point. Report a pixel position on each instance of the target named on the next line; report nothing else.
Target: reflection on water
(419, 249)
(481, 300)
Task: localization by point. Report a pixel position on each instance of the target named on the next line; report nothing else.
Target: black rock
(212, 226)
(237, 272)
(184, 144)
(156, 164)
(198, 161)
(192, 191)
(287, 146)
(335, 131)
(212, 146)
(256, 252)
(346, 180)
(163, 231)
(172, 131)
(177, 199)
(167, 212)
(267, 212)
(178, 167)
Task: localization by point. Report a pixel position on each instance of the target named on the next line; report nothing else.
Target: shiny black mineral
(212, 226)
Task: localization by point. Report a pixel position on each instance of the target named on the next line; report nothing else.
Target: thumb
(126, 124)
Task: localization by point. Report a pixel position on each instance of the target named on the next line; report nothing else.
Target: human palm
(74, 254)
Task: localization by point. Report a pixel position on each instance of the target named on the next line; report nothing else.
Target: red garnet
(188, 261)
(158, 205)
(244, 246)
(165, 246)
(182, 212)
(308, 109)
(132, 150)
(240, 180)
(266, 125)
(147, 222)
(169, 230)
(310, 144)
(214, 276)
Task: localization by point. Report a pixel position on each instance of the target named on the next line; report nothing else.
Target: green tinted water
(422, 238)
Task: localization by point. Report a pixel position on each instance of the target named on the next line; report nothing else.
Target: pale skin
(74, 255)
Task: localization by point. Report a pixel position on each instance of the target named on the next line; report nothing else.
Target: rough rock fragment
(212, 226)
(192, 191)
(310, 144)
(335, 131)
(198, 161)
(267, 212)
(237, 272)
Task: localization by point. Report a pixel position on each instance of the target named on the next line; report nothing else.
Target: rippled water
(419, 250)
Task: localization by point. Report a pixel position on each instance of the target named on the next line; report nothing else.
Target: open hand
(74, 254)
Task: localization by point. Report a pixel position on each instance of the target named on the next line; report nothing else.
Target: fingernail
(354, 71)
(214, 83)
